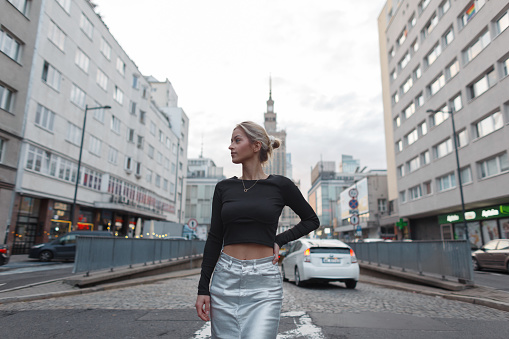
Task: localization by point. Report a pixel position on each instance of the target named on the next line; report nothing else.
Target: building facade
(445, 62)
(133, 150)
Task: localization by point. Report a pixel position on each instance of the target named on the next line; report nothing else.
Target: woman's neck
(253, 172)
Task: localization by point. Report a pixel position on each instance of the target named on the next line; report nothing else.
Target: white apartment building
(133, 153)
(443, 57)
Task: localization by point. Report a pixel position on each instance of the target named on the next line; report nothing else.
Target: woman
(246, 294)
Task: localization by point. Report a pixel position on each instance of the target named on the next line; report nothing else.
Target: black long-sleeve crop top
(252, 217)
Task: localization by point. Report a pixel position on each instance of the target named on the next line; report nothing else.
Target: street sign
(354, 211)
(354, 219)
(353, 203)
(192, 223)
(353, 193)
(358, 230)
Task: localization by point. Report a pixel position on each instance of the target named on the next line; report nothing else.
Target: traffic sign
(354, 219)
(353, 193)
(353, 203)
(358, 230)
(192, 223)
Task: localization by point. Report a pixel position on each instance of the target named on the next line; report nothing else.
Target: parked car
(4, 255)
(323, 260)
(63, 247)
(494, 254)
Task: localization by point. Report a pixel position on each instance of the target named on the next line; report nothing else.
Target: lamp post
(79, 159)
(431, 111)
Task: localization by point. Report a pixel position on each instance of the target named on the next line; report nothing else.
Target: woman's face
(241, 148)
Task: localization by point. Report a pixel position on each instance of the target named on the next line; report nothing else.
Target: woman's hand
(203, 307)
(276, 254)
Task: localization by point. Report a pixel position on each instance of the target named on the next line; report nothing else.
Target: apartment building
(445, 61)
(134, 149)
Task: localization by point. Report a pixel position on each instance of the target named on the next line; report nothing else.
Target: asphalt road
(493, 279)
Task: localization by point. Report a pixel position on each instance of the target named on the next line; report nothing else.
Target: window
(423, 128)
(10, 45)
(402, 37)
(411, 137)
(22, 5)
(138, 169)
(168, 142)
(402, 197)
(382, 205)
(409, 111)
(427, 188)
(489, 124)
(429, 27)
(173, 168)
(115, 124)
(448, 37)
(433, 55)
(102, 79)
(455, 103)
(446, 182)
(436, 85)
(86, 26)
(159, 157)
(462, 138)
(439, 117)
(413, 164)
(56, 35)
(2, 149)
(399, 146)
(415, 192)
(423, 4)
(425, 159)
(136, 82)
(392, 53)
(476, 47)
(412, 21)
(95, 145)
(120, 66)
(466, 175)
(394, 75)
(161, 136)
(505, 67)
(118, 95)
(482, 85)
(128, 166)
(44, 117)
(404, 61)
(151, 151)
(470, 11)
(113, 155)
(73, 133)
(66, 5)
(158, 180)
(130, 134)
(395, 98)
(6, 98)
(452, 69)
(165, 184)
(139, 143)
(166, 163)
(443, 148)
(152, 128)
(143, 117)
(397, 122)
(502, 23)
(149, 175)
(401, 171)
(444, 7)
(105, 49)
(419, 100)
(51, 76)
(78, 96)
(99, 113)
(494, 165)
(407, 85)
(82, 60)
(417, 72)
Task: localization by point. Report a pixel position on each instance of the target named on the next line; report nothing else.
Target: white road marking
(305, 328)
(35, 269)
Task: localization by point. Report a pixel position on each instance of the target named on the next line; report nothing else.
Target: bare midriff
(248, 251)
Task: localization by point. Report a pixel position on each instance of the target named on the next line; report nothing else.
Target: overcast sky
(323, 57)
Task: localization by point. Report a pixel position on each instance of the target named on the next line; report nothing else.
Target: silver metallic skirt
(246, 298)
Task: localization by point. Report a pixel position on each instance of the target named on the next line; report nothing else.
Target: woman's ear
(257, 146)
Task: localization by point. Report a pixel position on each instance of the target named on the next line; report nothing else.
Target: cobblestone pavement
(180, 293)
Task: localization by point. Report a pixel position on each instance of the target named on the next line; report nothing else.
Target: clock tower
(270, 116)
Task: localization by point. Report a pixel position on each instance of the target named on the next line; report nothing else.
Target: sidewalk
(479, 295)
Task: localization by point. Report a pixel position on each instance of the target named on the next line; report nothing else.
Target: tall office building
(277, 163)
(133, 160)
(445, 61)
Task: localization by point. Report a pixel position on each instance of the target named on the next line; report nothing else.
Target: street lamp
(431, 111)
(79, 159)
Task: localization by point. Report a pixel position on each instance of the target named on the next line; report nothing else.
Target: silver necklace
(247, 189)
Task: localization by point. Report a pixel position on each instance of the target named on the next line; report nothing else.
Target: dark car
(4, 255)
(494, 254)
(63, 247)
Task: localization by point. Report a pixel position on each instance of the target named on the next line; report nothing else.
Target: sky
(322, 55)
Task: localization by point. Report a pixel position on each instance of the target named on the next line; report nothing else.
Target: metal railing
(443, 258)
(98, 253)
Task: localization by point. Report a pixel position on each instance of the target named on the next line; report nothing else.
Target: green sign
(494, 212)
(401, 224)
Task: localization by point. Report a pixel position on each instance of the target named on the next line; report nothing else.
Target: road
(166, 309)
(493, 279)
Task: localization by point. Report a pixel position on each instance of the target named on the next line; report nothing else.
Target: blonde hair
(255, 133)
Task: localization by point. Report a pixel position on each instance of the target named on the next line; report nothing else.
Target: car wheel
(283, 273)
(298, 282)
(45, 256)
(475, 264)
(350, 284)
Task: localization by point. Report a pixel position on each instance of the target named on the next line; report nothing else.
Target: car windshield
(338, 250)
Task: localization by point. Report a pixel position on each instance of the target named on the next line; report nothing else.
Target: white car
(320, 260)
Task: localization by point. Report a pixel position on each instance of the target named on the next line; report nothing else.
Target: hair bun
(275, 143)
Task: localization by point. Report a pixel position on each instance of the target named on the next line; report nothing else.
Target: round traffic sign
(192, 223)
(353, 203)
(353, 193)
(354, 219)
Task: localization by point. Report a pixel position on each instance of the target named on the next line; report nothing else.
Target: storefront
(483, 224)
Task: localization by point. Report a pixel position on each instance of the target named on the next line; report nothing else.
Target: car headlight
(38, 246)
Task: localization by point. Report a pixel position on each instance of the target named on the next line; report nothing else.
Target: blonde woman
(245, 296)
